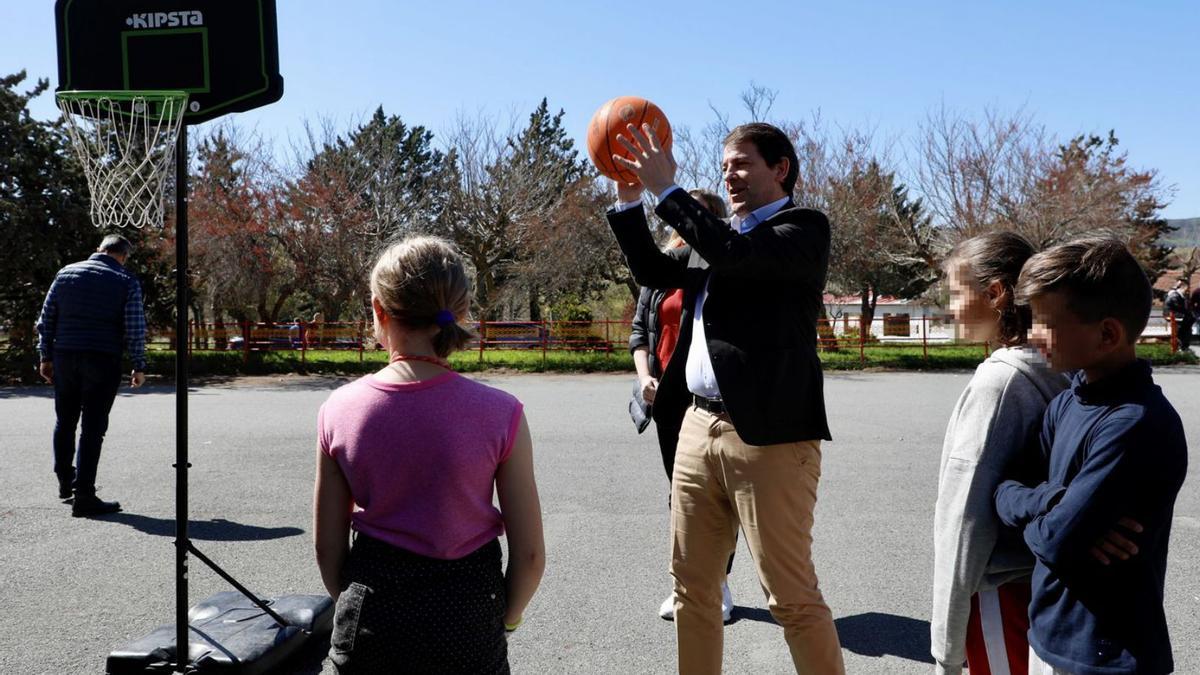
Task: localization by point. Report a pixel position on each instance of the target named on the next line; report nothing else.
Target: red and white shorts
(997, 642)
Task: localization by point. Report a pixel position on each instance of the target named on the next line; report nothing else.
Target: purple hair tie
(444, 318)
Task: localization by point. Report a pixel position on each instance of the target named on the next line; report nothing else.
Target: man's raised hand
(629, 192)
(654, 167)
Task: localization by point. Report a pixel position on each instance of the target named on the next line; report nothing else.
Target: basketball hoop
(125, 141)
(130, 83)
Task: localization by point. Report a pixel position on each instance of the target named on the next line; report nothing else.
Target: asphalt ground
(72, 590)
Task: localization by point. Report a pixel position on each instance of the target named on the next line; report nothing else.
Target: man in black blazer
(744, 386)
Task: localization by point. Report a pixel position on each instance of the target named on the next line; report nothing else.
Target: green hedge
(941, 357)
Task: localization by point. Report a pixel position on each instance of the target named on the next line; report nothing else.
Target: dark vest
(90, 296)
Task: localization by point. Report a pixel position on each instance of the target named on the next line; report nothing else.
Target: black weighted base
(229, 634)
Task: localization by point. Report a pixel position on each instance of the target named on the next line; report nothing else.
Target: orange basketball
(610, 120)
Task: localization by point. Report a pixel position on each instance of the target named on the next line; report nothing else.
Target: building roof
(831, 299)
(1167, 281)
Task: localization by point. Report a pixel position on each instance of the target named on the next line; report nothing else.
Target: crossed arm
(1063, 524)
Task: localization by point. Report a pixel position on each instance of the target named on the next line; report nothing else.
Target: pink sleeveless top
(421, 459)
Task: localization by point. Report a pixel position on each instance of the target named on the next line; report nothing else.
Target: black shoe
(64, 487)
(91, 505)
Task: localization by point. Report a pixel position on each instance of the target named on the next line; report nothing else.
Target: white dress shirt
(701, 380)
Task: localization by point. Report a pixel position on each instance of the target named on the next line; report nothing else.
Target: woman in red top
(652, 341)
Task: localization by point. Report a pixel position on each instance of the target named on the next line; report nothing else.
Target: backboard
(223, 53)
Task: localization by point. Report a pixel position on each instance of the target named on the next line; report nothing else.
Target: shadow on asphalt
(876, 634)
(740, 613)
(310, 660)
(870, 634)
(47, 391)
(198, 385)
(32, 391)
(217, 529)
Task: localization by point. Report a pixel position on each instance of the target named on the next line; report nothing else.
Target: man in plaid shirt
(92, 312)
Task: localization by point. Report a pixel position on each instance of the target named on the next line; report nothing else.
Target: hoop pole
(182, 543)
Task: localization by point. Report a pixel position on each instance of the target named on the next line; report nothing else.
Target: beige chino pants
(720, 482)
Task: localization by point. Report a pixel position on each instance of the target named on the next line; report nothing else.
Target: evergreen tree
(874, 225)
(395, 169)
(544, 154)
(509, 195)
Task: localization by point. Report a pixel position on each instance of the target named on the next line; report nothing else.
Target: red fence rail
(577, 336)
(844, 334)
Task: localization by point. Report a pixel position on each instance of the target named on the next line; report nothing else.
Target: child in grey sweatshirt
(981, 579)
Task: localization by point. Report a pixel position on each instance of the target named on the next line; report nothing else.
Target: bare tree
(1187, 261)
(880, 237)
(758, 101)
(698, 151)
(574, 253)
(1005, 172)
(977, 175)
(510, 189)
(233, 208)
(698, 155)
(328, 233)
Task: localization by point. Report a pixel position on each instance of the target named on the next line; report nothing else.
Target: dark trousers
(85, 385)
(1183, 330)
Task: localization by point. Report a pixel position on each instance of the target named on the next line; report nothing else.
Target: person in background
(295, 331)
(1111, 450)
(652, 340)
(1178, 306)
(92, 310)
(980, 578)
(316, 331)
(1194, 306)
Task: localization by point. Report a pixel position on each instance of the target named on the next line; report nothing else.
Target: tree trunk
(199, 335)
(219, 338)
(868, 298)
(535, 307)
(284, 294)
(264, 316)
(483, 291)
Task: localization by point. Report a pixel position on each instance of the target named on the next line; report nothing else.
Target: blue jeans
(1183, 330)
(85, 385)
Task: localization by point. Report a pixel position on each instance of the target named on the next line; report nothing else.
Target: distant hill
(1187, 233)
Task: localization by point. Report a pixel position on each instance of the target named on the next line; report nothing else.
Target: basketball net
(125, 141)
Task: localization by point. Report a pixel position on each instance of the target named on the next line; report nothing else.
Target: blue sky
(1076, 66)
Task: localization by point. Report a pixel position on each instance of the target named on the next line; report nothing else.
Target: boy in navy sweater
(1115, 453)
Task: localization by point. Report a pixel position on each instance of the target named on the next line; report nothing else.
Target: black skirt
(405, 613)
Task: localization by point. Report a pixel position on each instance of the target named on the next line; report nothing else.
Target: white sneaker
(667, 609)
